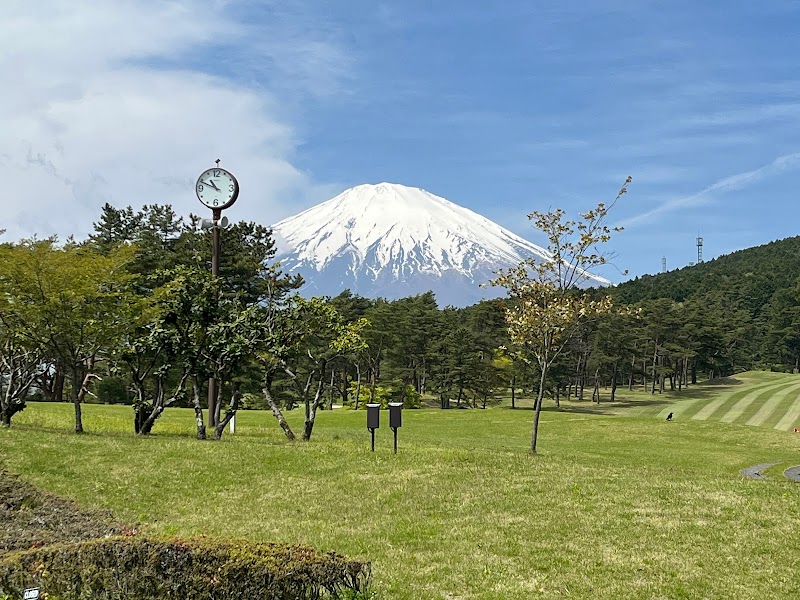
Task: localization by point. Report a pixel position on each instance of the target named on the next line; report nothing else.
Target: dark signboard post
(373, 420)
(395, 419)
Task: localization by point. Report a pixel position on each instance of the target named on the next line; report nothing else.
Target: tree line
(132, 315)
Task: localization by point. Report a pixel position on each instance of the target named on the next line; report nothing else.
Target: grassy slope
(613, 507)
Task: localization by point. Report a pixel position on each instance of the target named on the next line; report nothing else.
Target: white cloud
(86, 118)
(734, 182)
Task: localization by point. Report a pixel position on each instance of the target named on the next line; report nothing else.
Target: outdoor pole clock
(217, 188)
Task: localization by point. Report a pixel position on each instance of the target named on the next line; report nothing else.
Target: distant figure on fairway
(669, 417)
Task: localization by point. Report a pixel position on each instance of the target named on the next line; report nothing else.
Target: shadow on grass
(155, 435)
(702, 391)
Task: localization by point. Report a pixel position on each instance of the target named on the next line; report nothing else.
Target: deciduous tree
(549, 307)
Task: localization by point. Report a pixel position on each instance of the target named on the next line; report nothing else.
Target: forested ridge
(757, 272)
(159, 326)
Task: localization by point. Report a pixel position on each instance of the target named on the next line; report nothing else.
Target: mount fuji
(392, 241)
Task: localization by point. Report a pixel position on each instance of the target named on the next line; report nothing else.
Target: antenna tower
(664, 264)
(699, 249)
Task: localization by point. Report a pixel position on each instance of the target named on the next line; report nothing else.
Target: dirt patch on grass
(30, 518)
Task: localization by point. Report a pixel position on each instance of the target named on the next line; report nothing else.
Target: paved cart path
(756, 471)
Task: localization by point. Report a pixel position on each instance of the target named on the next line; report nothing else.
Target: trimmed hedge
(136, 568)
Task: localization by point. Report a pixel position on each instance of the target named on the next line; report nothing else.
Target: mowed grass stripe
(712, 407)
(678, 408)
(766, 410)
(790, 417)
(738, 409)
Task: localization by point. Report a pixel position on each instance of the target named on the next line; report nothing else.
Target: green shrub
(136, 568)
(411, 397)
(383, 395)
(113, 390)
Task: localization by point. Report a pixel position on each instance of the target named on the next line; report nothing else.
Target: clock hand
(210, 184)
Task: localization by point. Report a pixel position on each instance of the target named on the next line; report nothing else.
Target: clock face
(217, 188)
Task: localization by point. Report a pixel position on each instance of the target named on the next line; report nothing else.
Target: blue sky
(503, 108)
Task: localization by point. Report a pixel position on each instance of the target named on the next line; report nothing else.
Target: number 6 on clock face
(217, 188)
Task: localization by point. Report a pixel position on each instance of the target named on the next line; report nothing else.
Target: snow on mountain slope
(392, 241)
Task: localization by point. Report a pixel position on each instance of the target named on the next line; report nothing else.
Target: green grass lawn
(618, 504)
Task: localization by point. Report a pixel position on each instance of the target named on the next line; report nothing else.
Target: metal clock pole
(216, 249)
(215, 252)
(216, 198)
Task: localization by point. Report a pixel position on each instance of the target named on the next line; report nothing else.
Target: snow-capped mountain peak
(391, 240)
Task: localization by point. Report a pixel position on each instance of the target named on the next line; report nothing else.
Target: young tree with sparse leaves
(548, 307)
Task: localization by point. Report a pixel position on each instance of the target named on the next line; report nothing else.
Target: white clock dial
(217, 188)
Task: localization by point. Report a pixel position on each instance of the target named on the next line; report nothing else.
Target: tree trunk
(538, 410)
(138, 419)
(513, 391)
(655, 359)
(146, 424)
(330, 390)
(198, 411)
(229, 414)
(614, 383)
(644, 374)
(311, 411)
(358, 384)
(345, 389)
(596, 390)
(75, 395)
(372, 387)
(277, 411)
(633, 368)
(11, 406)
(218, 391)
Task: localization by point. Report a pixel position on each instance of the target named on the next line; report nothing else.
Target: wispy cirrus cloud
(735, 182)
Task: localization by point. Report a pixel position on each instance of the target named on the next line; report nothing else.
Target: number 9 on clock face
(217, 188)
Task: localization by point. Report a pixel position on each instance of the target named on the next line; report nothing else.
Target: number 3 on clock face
(217, 188)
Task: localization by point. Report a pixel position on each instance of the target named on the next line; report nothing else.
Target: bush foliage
(135, 568)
